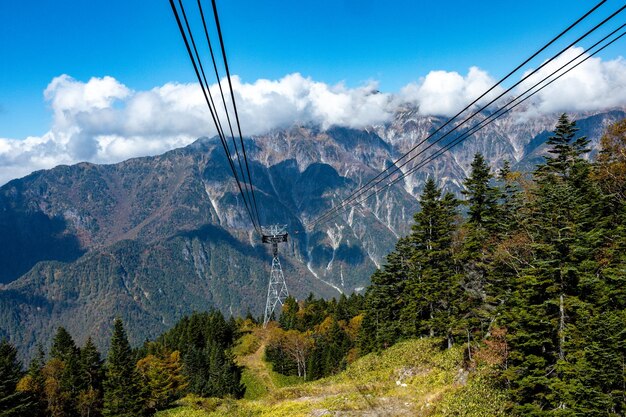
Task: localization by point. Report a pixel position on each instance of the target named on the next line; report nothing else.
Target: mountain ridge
(91, 232)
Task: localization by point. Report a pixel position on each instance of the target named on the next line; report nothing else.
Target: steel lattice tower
(277, 289)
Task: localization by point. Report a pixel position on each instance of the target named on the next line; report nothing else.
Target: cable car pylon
(277, 289)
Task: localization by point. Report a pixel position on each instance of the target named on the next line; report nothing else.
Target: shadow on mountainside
(30, 237)
(216, 234)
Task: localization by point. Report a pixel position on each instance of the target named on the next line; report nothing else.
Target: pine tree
(567, 149)
(337, 347)
(63, 346)
(509, 215)
(65, 351)
(212, 372)
(288, 319)
(550, 302)
(121, 385)
(342, 310)
(13, 403)
(481, 196)
(509, 244)
(479, 298)
(433, 285)
(90, 396)
(384, 300)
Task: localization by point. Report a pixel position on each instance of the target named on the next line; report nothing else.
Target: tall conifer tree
(384, 300)
(13, 403)
(433, 288)
(65, 351)
(550, 304)
(121, 385)
(91, 393)
(482, 198)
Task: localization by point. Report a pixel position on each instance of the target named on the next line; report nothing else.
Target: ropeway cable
(363, 189)
(491, 118)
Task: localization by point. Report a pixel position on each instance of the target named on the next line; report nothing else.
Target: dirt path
(255, 364)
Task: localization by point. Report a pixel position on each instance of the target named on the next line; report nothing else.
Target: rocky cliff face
(151, 239)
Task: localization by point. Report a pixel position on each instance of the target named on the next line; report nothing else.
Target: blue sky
(137, 42)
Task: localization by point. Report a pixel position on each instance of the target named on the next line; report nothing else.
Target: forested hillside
(537, 264)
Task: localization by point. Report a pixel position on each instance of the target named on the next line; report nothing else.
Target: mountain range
(151, 239)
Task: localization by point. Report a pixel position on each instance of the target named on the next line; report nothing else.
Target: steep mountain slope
(153, 238)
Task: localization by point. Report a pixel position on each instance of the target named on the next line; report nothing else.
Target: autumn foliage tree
(295, 345)
(610, 169)
(162, 379)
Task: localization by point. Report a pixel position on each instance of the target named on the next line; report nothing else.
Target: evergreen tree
(13, 403)
(567, 149)
(342, 310)
(90, 396)
(329, 353)
(204, 341)
(212, 372)
(481, 196)
(433, 287)
(337, 347)
(121, 385)
(549, 303)
(509, 215)
(63, 346)
(479, 294)
(384, 300)
(288, 319)
(509, 244)
(64, 349)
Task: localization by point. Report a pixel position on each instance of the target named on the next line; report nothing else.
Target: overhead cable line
(394, 168)
(491, 118)
(250, 191)
(358, 191)
(232, 96)
(212, 107)
(209, 101)
(498, 114)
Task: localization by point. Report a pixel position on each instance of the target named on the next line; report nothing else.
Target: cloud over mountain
(104, 121)
(446, 93)
(593, 85)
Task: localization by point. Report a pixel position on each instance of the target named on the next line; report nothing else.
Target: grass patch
(246, 345)
(184, 411)
(480, 397)
(413, 377)
(255, 388)
(193, 406)
(283, 381)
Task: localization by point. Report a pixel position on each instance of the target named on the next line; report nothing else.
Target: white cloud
(446, 93)
(593, 85)
(104, 121)
(269, 104)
